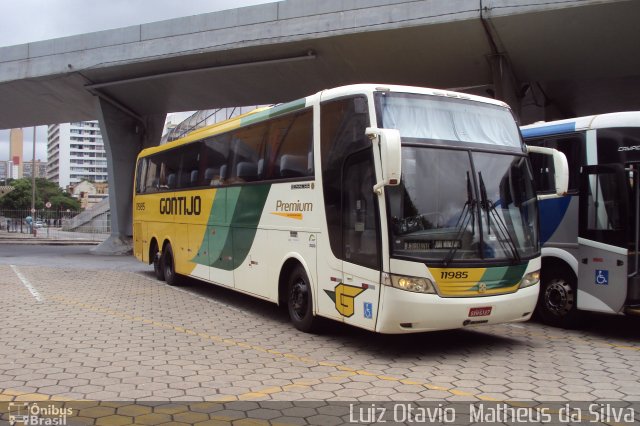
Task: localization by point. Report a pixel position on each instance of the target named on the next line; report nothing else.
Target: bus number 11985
(454, 275)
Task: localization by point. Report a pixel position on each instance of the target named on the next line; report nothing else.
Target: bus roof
(589, 122)
(263, 113)
(368, 88)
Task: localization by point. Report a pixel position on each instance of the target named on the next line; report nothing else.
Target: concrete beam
(419, 42)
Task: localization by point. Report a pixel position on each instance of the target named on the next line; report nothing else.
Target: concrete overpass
(547, 58)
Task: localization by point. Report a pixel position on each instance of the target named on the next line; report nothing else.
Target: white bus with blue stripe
(591, 236)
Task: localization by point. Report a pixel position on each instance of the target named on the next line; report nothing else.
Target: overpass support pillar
(505, 83)
(124, 136)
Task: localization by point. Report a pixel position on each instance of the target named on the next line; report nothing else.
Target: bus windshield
(443, 119)
(456, 204)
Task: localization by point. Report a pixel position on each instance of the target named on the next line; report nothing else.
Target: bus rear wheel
(557, 303)
(168, 267)
(300, 301)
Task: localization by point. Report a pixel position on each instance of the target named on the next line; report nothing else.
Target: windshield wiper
(467, 214)
(502, 233)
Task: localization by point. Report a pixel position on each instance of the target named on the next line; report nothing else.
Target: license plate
(480, 312)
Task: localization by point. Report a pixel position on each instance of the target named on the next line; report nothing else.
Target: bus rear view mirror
(560, 167)
(388, 141)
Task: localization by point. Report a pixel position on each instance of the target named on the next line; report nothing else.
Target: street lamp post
(33, 183)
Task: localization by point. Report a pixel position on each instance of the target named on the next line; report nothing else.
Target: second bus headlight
(530, 279)
(415, 284)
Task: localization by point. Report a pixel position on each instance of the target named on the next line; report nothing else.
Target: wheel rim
(156, 261)
(558, 297)
(168, 262)
(298, 299)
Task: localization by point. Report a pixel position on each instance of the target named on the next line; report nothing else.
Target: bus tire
(557, 303)
(300, 301)
(157, 262)
(169, 266)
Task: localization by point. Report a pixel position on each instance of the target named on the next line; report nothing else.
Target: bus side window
(543, 172)
(571, 146)
(604, 195)
(292, 148)
(152, 178)
(247, 146)
(171, 181)
(288, 137)
(140, 175)
(169, 169)
(293, 166)
(215, 156)
(189, 164)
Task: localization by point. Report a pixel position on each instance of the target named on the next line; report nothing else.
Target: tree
(64, 202)
(20, 197)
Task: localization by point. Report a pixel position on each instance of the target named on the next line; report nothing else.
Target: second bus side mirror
(389, 144)
(561, 170)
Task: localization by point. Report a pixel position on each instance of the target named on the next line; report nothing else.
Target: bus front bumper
(407, 312)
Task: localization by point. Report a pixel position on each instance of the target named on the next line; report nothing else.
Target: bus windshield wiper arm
(502, 232)
(467, 215)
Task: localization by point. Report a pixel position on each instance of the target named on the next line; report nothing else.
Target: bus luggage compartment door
(603, 238)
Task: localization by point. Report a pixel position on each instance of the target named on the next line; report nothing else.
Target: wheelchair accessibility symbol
(602, 277)
(368, 310)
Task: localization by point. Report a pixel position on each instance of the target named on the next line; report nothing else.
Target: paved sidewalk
(107, 335)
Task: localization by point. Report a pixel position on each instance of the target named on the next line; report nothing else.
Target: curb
(24, 241)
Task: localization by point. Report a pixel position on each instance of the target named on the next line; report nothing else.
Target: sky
(25, 21)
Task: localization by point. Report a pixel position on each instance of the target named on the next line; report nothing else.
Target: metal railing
(54, 225)
(203, 118)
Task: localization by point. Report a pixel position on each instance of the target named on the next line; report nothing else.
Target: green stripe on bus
(274, 112)
(232, 226)
(503, 276)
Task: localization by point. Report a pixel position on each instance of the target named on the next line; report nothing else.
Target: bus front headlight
(414, 284)
(530, 279)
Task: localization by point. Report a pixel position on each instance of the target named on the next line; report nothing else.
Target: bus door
(633, 292)
(357, 296)
(603, 238)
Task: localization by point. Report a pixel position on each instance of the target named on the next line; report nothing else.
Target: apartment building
(41, 169)
(75, 152)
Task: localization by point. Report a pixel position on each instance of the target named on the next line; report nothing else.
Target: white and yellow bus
(395, 209)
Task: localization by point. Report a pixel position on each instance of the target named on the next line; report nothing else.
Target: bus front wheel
(168, 266)
(557, 303)
(300, 301)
